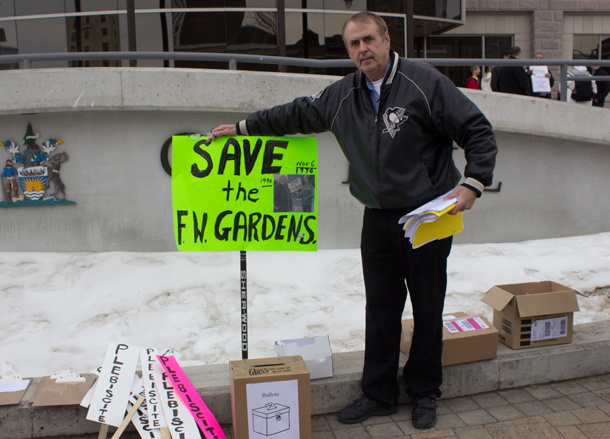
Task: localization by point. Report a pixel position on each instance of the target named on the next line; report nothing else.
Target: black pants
(388, 260)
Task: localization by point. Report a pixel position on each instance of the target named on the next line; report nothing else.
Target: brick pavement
(574, 409)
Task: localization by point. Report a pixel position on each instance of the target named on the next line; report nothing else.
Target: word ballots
(169, 404)
(432, 221)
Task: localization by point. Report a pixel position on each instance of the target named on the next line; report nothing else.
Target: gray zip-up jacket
(400, 157)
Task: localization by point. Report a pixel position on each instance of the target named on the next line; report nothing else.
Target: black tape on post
(243, 274)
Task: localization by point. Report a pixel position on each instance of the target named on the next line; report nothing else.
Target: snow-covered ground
(60, 309)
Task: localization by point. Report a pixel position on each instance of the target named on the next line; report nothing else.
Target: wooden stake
(103, 431)
(243, 274)
(165, 433)
(117, 434)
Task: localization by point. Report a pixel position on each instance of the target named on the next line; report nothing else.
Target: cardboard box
(270, 396)
(315, 352)
(533, 314)
(466, 338)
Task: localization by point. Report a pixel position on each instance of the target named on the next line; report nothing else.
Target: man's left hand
(465, 199)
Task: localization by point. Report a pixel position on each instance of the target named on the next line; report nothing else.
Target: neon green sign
(245, 193)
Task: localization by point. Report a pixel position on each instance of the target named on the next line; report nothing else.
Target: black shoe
(424, 412)
(364, 408)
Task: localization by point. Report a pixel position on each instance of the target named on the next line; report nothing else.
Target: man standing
(308, 192)
(282, 198)
(547, 75)
(514, 79)
(10, 174)
(396, 121)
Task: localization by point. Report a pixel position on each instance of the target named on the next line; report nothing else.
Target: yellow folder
(443, 226)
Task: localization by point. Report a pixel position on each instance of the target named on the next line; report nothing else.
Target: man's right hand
(222, 131)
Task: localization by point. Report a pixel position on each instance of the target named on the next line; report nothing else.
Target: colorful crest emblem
(33, 181)
(32, 171)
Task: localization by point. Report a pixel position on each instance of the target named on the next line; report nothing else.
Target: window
(104, 31)
(448, 9)
(458, 46)
(495, 45)
(86, 48)
(103, 18)
(86, 34)
(105, 47)
(588, 47)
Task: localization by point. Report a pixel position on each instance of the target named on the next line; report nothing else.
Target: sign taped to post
(179, 420)
(191, 398)
(113, 386)
(245, 193)
(153, 403)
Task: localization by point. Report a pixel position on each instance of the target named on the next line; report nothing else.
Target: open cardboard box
(315, 352)
(533, 314)
(466, 338)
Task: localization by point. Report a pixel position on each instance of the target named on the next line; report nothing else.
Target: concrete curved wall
(552, 162)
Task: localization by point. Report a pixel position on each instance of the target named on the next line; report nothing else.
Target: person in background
(586, 88)
(486, 79)
(307, 194)
(514, 79)
(474, 81)
(603, 87)
(282, 198)
(495, 72)
(548, 75)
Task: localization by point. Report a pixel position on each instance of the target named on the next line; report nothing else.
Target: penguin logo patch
(392, 118)
(316, 96)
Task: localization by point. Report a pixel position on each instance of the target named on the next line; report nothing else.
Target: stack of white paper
(429, 212)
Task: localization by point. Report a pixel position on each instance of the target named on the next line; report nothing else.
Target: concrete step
(587, 355)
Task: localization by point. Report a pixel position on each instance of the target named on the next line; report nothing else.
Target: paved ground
(574, 409)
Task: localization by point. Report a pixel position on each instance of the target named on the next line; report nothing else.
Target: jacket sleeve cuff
(474, 185)
(241, 128)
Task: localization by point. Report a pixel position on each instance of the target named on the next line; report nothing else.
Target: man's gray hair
(365, 17)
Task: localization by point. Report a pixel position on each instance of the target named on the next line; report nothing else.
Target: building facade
(559, 29)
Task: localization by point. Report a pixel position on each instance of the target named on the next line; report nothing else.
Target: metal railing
(232, 59)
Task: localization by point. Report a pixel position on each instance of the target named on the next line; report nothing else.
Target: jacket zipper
(377, 150)
(376, 165)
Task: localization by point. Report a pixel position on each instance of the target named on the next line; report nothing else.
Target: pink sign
(189, 395)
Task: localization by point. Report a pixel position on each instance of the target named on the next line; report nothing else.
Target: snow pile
(60, 309)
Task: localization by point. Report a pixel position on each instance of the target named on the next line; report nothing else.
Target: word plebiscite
(114, 378)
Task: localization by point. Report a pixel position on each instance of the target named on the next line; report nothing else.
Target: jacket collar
(394, 59)
(391, 72)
